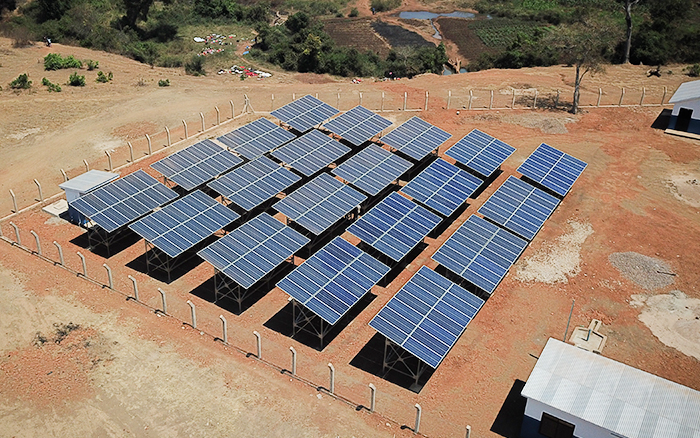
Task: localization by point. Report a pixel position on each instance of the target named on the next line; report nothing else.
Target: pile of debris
(249, 72)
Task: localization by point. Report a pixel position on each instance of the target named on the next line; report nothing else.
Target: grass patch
(501, 33)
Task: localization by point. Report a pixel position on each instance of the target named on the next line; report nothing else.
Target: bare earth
(127, 371)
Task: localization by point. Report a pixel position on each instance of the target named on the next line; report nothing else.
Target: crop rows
(501, 33)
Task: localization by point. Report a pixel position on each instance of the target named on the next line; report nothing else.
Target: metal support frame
(160, 261)
(98, 236)
(397, 359)
(304, 320)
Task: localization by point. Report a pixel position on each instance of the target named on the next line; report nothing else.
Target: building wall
(582, 429)
(694, 126)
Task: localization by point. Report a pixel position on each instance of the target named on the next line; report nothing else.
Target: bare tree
(628, 19)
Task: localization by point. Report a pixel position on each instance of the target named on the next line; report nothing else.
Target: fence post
(194, 314)
(136, 287)
(372, 397)
(644, 92)
(600, 96)
(332, 383)
(109, 158)
(218, 116)
(382, 101)
(294, 96)
(556, 102)
(469, 432)
(150, 147)
(224, 329)
(272, 102)
(41, 194)
(491, 101)
(449, 98)
(36, 239)
(405, 98)
(109, 275)
(233, 112)
(65, 177)
(163, 300)
(14, 200)
(259, 344)
(360, 98)
(131, 151)
(82, 259)
(622, 95)
(184, 123)
(471, 96)
(337, 101)
(426, 101)
(60, 253)
(512, 104)
(18, 239)
(201, 116)
(167, 132)
(294, 361)
(534, 103)
(87, 166)
(416, 429)
(663, 97)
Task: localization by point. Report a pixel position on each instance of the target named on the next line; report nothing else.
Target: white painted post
(167, 132)
(534, 103)
(109, 158)
(184, 123)
(109, 275)
(218, 116)
(382, 101)
(14, 201)
(512, 104)
(82, 259)
(491, 101)
(272, 102)
(294, 361)
(136, 287)
(201, 116)
(224, 329)
(65, 177)
(449, 98)
(233, 112)
(644, 92)
(337, 101)
(622, 95)
(372, 397)
(556, 102)
(426, 101)
(18, 238)
(663, 97)
(41, 194)
(163, 300)
(194, 314)
(469, 432)
(60, 253)
(471, 97)
(332, 385)
(36, 239)
(294, 96)
(600, 96)
(405, 98)
(131, 151)
(360, 97)
(150, 146)
(87, 166)
(416, 429)
(259, 343)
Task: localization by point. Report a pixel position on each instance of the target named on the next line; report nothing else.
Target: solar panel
(256, 138)
(334, 279)
(553, 169)
(311, 152)
(427, 316)
(372, 169)
(183, 224)
(480, 252)
(320, 203)
(480, 152)
(253, 250)
(305, 113)
(519, 207)
(442, 187)
(395, 226)
(357, 125)
(254, 183)
(416, 138)
(123, 201)
(197, 164)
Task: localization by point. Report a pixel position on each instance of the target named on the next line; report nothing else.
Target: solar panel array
(552, 168)
(480, 252)
(334, 279)
(305, 113)
(416, 138)
(256, 138)
(311, 152)
(254, 183)
(197, 164)
(427, 316)
(442, 187)
(395, 226)
(357, 125)
(123, 201)
(320, 203)
(183, 224)
(372, 169)
(480, 152)
(253, 250)
(519, 207)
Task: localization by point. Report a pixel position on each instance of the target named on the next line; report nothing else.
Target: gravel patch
(646, 272)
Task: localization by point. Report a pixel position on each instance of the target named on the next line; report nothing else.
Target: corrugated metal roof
(687, 91)
(610, 394)
(88, 181)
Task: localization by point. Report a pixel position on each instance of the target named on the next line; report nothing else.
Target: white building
(686, 108)
(575, 393)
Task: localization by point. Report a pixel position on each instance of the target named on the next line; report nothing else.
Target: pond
(425, 15)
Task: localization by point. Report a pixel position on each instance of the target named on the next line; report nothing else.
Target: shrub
(170, 61)
(694, 70)
(195, 66)
(354, 12)
(22, 82)
(164, 83)
(91, 65)
(76, 80)
(54, 61)
(102, 78)
(51, 86)
(385, 5)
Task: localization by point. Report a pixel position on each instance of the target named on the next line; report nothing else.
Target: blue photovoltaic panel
(519, 207)
(311, 152)
(253, 250)
(183, 224)
(395, 226)
(480, 152)
(357, 125)
(256, 138)
(442, 187)
(372, 169)
(197, 164)
(254, 183)
(123, 201)
(480, 252)
(427, 316)
(320, 203)
(416, 138)
(334, 279)
(553, 169)
(305, 113)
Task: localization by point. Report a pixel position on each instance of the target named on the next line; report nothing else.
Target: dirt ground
(129, 371)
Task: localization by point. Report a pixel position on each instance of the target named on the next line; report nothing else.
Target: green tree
(53, 9)
(136, 10)
(7, 5)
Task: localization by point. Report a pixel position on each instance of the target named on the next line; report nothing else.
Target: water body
(447, 70)
(425, 15)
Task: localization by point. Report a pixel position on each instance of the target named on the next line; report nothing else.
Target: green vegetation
(385, 5)
(92, 65)
(51, 86)
(195, 66)
(164, 82)
(22, 82)
(102, 78)
(354, 12)
(54, 61)
(501, 32)
(75, 80)
(693, 70)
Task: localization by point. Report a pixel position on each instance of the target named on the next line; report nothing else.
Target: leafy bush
(170, 61)
(385, 5)
(76, 80)
(22, 82)
(144, 51)
(693, 70)
(195, 66)
(102, 78)
(54, 61)
(354, 12)
(164, 83)
(51, 86)
(91, 65)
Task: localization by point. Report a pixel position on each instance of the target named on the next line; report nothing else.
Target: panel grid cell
(320, 203)
(442, 187)
(123, 201)
(553, 169)
(416, 138)
(372, 169)
(334, 279)
(311, 152)
(183, 224)
(480, 152)
(357, 125)
(250, 252)
(427, 316)
(519, 207)
(256, 138)
(197, 164)
(254, 183)
(305, 113)
(395, 226)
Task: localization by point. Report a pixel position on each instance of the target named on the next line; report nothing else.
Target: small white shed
(575, 393)
(686, 108)
(82, 184)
